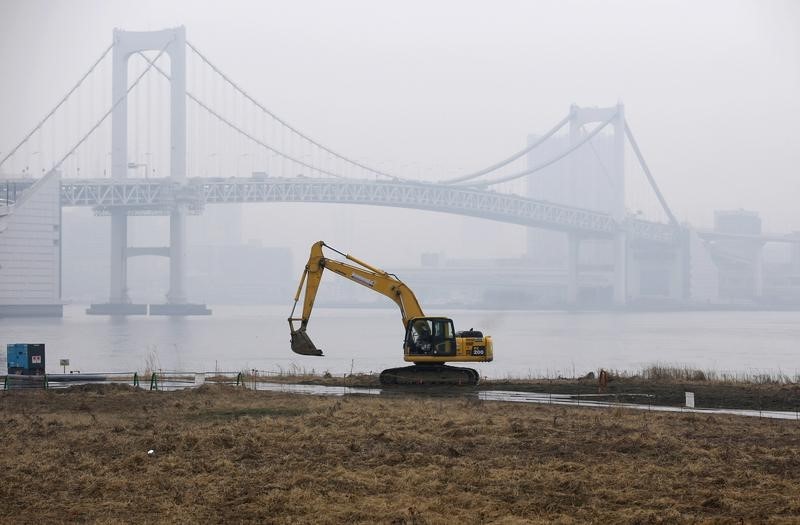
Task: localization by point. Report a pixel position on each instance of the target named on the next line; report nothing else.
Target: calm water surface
(369, 340)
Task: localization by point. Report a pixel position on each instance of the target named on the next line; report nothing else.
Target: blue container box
(25, 358)
(17, 356)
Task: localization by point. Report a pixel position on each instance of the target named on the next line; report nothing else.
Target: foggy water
(369, 340)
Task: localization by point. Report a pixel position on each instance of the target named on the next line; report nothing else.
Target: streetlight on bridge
(135, 165)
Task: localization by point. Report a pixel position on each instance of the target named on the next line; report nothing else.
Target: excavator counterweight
(429, 343)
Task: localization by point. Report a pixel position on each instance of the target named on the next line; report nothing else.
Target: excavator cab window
(431, 336)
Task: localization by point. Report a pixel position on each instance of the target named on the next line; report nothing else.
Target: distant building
(218, 225)
(741, 222)
(241, 274)
(85, 265)
(222, 269)
(703, 272)
(795, 259)
(30, 251)
(739, 260)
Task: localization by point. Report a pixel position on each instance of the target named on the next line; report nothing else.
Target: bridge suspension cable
(649, 176)
(512, 158)
(550, 161)
(239, 130)
(60, 103)
(600, 161)
(114, 105)
(283, 122)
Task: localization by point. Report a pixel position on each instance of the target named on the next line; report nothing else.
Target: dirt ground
(231, 455)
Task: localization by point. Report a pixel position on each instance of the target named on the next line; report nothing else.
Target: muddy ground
(231, 455)
(671, 392)
(708, 394)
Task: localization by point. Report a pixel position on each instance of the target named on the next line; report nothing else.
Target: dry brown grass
(232, 455)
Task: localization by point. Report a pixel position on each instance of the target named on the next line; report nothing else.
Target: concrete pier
(117, 309)
(573, 259)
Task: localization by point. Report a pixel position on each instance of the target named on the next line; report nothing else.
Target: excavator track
(433, 375)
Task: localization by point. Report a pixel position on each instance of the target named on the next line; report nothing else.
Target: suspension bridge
(192, 127)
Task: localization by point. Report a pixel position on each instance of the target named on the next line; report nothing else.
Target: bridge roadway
(152, 196)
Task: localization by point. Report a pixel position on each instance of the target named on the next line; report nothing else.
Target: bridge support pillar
(177, 299)
(680, 284)
(177, 257)
(118, 286)
(795, 257)
(573, 259)
(676, 261)
(119, 303)
(620, 269)
(658, 274)
(758, 272)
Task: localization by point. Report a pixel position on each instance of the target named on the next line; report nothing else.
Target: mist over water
(547, 344)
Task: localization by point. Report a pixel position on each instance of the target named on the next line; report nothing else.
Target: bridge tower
(614, 202)
(584, 182)
(171, 42)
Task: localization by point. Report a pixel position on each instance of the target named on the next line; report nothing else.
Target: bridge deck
(154, 195)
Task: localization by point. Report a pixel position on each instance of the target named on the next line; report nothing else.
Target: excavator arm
(358, 272)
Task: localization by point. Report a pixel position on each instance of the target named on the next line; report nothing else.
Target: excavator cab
(430, 336)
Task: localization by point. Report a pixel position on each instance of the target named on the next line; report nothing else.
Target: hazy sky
(711, 88)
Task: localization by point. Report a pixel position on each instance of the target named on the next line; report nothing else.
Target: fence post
(45, 382)
(5, 383)
(135, 380)
(154, 382)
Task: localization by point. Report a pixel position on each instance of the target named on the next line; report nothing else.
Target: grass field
(223, 454)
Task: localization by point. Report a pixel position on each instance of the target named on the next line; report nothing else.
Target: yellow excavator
(429, 343)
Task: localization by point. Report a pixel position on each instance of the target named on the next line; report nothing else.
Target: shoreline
(656, 385)
(745, 395)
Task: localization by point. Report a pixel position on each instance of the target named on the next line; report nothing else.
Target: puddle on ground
(585, 401)
(582, 400)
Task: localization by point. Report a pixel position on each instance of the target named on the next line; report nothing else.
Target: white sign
(689, 399)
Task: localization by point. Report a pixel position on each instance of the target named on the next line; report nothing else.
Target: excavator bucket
(302, 344)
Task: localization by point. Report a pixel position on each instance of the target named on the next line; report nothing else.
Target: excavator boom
(301, 343)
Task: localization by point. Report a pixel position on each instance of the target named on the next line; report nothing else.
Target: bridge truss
(147, 196)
